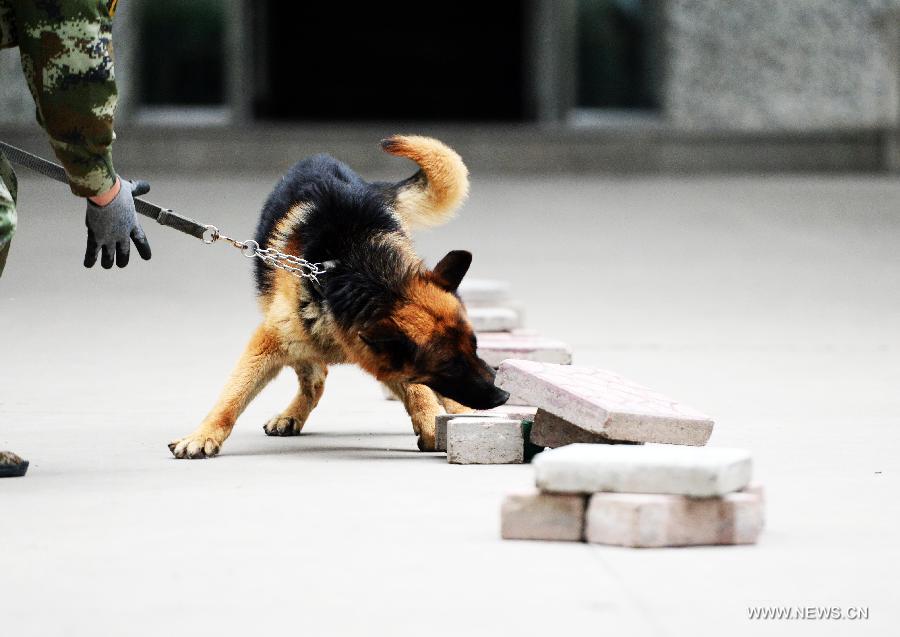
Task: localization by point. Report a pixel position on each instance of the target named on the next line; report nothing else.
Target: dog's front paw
(197, 445)
(426, 441)
(283, 426)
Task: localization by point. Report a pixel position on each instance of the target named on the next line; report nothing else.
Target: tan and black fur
(377, 305)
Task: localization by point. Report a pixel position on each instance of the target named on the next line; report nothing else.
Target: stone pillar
(889, 25)
(239, 92)
(126, 43)
(16, 105)
(552, 62)
(778, 65)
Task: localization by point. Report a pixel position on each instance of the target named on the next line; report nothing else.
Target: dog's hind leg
(422, 406)
(311, 380)
(261, 361)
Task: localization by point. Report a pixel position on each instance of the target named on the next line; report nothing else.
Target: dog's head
(427, 339)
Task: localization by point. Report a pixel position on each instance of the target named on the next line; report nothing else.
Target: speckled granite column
(779, 65)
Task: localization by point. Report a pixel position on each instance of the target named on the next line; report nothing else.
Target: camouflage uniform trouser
(8, 191)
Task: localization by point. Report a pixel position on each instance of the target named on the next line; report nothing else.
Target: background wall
(618, 85)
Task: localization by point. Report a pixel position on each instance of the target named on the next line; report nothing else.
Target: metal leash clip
(289, 263)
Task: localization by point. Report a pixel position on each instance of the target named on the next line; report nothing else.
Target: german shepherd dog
(376, 306)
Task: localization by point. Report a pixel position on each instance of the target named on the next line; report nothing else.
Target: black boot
(11, 465)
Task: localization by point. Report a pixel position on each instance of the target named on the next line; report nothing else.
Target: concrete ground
(771, 304)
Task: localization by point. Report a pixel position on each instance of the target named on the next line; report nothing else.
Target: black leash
(291, 264)
(163, 216)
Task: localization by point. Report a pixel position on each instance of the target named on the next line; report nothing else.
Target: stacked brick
(600, 402)
(478, 438)
(651, 496)
(571, 404)
(601, 483)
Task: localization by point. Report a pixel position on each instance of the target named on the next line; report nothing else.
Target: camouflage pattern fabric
(66, 52)
(8, 188)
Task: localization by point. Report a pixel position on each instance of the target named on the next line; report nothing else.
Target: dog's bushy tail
(433, 195)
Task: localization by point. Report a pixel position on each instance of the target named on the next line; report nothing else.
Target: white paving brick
(543, 516)
(481, 292)
(485, 441)
(653, 520)
(519, 331)
(697, 472)
(493, 319)
(496, 347)
(603, 402)
(512, 412)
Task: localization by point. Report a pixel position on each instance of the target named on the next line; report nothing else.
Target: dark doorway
(618, 54)
(181, 52)
(462, 60)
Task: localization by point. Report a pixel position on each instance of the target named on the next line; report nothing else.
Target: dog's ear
(450, 270)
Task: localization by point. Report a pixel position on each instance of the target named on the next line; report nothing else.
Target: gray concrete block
(543, 516)
(655, 520)
(485, 441)
(552, 431)
(696, 472)
(605, 403)
(512, 412)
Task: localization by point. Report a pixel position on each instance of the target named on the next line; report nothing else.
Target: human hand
(112, 225)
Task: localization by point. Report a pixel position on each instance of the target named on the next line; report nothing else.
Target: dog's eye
(397, 347)
(383, 345)
(371, 342)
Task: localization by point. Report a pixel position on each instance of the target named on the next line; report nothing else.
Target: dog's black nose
(499, 397)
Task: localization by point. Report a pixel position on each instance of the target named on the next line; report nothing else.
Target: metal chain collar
(250, 248)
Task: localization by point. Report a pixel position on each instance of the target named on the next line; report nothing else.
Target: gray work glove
(112, 228)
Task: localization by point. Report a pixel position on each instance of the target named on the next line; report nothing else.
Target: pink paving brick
(543, 516)
(605, 403)
(652, 520)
